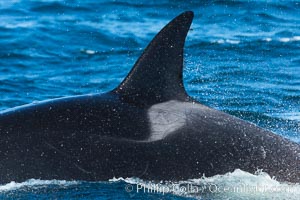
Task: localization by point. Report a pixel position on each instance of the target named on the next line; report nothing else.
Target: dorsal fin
(157, 74)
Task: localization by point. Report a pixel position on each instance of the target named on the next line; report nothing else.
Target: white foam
(34, 183)
(235, 185)
(233, 41)
(90, 51)
(268, 39)
(228, 41)
(221, 41)
(296, 38)
(284, 39)
(291, 39)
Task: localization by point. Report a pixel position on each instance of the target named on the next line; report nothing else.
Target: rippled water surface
(242, 57)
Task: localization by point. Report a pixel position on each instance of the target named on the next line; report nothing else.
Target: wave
(34, 183)
(292, 39)
(247, 40)
(16, 24)
(234, 185)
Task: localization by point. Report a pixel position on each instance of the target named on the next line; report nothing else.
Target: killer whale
(148, 127)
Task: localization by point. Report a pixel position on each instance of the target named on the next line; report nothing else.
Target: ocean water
(242, 57)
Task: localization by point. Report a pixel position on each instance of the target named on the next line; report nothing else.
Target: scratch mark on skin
(145, 170)
(66, 155)
(81, 169)
(56, 149)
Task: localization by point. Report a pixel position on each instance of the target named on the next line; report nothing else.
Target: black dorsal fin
(157, 74)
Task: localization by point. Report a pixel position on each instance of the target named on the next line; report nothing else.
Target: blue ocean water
(242, 57)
